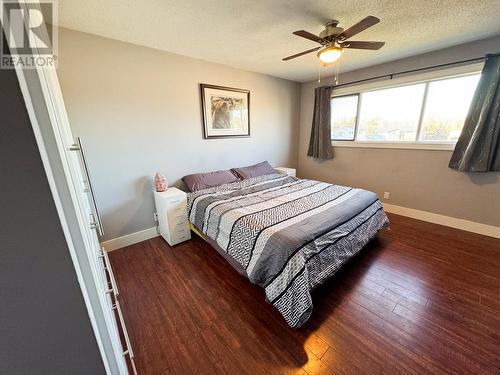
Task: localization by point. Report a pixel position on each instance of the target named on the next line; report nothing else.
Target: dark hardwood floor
(421, 298)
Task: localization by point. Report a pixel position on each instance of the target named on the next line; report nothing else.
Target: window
(344, 112)
(424, 112)
(390, 115)
(446, 108)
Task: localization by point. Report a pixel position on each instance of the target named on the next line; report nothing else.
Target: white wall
(418, 179)
(138, 111)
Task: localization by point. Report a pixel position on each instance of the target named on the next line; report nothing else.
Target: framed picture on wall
(226, 111)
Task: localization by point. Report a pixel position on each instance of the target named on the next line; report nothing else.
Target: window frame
(356, 118)
(425, 78)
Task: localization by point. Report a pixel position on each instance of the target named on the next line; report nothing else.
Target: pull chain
(337, 73)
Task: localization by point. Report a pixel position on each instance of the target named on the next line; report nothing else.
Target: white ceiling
(256, 34)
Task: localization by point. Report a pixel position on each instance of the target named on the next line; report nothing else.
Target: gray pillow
(200, 181)
(255, 170)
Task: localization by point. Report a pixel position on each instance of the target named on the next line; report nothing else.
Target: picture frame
(226, 111)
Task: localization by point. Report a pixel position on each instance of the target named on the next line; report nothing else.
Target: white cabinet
(171, 208)
(287, 171)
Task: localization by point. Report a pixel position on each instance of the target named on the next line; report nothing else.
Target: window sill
(442, 146)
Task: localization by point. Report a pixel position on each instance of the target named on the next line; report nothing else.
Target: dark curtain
(477, 149)
(320, 144)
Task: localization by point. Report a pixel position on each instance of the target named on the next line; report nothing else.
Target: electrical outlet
(386, 195)
(155, 216)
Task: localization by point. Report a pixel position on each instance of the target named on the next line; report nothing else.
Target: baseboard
(130, 239)
(453, 222)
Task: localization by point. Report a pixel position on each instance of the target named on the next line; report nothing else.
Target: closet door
(67, 170)
(78, 174)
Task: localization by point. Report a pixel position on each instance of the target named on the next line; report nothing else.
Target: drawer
(181, 237)
(179, 214)
(181, 220)
(179, 229)
(179, 204)
(176, 216)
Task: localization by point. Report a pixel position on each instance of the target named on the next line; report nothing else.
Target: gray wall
(417, 179)
(138, 111)
(44, 325)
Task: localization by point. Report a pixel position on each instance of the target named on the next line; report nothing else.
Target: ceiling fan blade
(301, 53)
(308, 35)
(362, 45)
(364, 24)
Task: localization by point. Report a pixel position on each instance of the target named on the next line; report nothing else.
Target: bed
(285, 234)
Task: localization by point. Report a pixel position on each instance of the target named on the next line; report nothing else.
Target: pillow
(200, 181)
(255, 170)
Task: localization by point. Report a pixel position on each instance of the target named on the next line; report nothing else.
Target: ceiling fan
(333, 40)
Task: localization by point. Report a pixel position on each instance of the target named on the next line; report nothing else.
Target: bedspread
(289, 234)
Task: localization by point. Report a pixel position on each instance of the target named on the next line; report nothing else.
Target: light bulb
(330, 54)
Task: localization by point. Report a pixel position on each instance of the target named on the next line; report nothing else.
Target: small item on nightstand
(160, 182)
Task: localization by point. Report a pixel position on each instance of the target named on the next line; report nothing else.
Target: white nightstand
(171, 207)
(287, 171)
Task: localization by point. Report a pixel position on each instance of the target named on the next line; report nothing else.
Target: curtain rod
(391, 75)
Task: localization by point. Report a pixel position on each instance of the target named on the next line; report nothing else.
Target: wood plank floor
(421, 298)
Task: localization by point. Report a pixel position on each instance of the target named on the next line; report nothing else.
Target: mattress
(285, 234)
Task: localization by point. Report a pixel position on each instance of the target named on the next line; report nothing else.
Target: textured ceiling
(255, 34)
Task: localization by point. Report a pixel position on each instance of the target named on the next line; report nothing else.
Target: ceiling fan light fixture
(333, 40)
(330, 54)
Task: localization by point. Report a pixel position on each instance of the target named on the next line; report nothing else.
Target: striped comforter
(289, 234)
